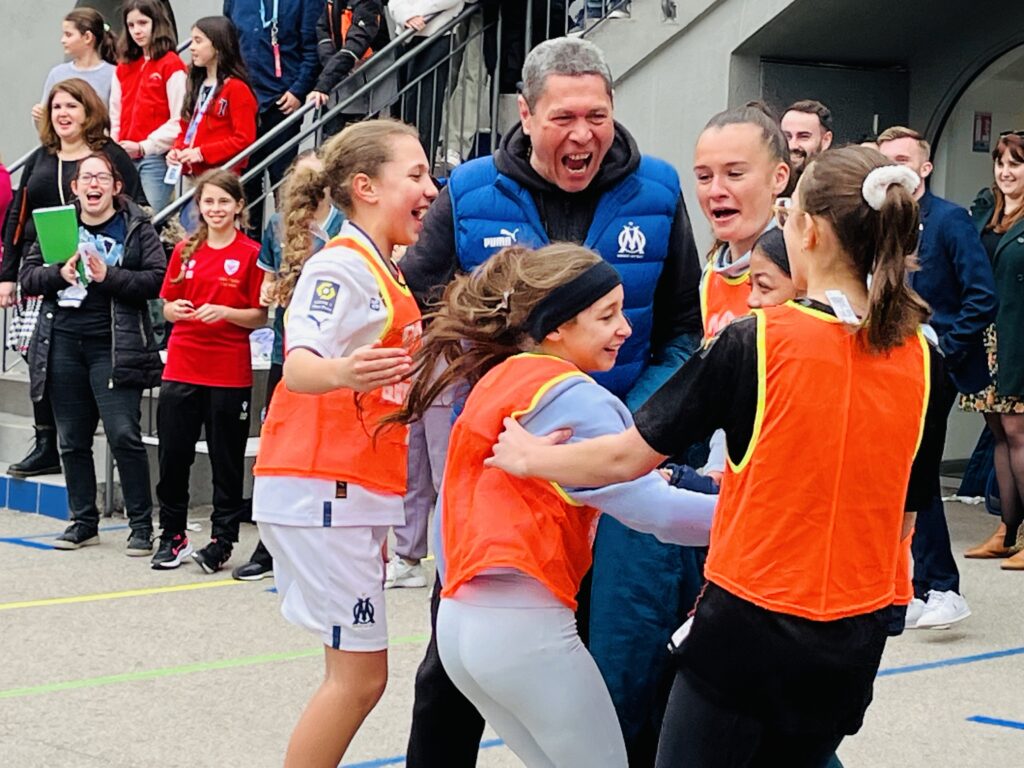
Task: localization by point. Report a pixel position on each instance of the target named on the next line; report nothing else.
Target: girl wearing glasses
(93, 347)
(779, 661)
(998, 214)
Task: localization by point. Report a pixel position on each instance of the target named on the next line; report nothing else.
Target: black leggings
(698, 733)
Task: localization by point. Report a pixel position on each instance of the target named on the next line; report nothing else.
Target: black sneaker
(253, 571)
(77, 535)
(172, 551)
(212, 557)
(140, 544)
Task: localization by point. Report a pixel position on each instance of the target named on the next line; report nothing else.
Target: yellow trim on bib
(923, 341)
(814, 312)
(762, 381)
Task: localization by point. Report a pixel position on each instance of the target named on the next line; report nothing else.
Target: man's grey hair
(562, 56)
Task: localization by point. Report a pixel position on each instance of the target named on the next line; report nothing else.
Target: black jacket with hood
(130, 286)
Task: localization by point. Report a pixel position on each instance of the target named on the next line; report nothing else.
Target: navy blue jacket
(955, 278)
(296, 36)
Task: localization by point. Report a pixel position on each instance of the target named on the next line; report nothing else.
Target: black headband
(773, 244)
(568, 300)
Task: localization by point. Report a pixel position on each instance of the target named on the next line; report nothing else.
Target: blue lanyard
(197, 116)
(263, 15)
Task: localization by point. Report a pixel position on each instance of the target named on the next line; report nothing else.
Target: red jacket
(228, 127)
(143, 83)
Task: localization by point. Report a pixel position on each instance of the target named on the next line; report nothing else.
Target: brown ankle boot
(993, 548)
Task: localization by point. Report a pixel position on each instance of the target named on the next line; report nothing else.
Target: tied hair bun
(877, 183)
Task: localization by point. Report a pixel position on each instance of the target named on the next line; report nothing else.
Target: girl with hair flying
(89, 43)
(212, 295)
(218, 118)
(519, 332)
(328, 482)
(147, 94)
(779, 662)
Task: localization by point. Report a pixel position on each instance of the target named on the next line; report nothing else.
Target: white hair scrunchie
(878, 181)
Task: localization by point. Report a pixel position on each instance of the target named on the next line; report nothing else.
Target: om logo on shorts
(362, 612)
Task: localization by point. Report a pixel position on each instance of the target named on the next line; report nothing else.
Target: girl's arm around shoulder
(647, 503)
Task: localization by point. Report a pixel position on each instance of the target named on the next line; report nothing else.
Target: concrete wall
(30, 46)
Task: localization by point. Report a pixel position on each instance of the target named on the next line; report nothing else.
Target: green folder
(57, 233)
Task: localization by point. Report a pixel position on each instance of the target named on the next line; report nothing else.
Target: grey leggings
(513, 650)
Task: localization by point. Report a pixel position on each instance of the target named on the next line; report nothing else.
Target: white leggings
(513, 650)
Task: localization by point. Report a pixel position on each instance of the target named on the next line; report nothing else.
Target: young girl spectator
(147, 95)
(218, 119)
(740, 166)
(324, 223)
(97, 355)
(998, 214)
(779, 662)
(76, 127)
(89, 43)
(328, 484)
(520, 331)
(212, 294)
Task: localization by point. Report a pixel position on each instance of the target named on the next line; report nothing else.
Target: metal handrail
(301, 112)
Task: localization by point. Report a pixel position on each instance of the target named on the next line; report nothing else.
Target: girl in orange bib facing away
(328, 481)
(823, 402)
(520, 331)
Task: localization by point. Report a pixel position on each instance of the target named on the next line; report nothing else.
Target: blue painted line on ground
(58, 533)
(32, 542)
(396, 759)
(996, 721)
(27, 543)
(953, 662)
(271, 590)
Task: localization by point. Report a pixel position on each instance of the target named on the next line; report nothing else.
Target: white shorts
(331, 581)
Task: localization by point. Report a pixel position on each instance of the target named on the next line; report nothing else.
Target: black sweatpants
(182, 412)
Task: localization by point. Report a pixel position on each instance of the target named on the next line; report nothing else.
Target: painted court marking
(50, 601)
(996, 721)
(953, 662)
(33, 542)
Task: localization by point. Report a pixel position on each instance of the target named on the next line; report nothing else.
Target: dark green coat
(1008, 268)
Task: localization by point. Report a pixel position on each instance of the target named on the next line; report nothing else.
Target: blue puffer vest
(630, 230)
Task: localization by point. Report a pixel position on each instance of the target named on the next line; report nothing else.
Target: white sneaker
(401, 573)
(914, 611)
(942, 610)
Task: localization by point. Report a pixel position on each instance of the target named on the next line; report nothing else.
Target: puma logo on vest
(506, 238)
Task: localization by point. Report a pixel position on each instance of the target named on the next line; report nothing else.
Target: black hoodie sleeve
(366, 16)
(430, 263)
(677, 297)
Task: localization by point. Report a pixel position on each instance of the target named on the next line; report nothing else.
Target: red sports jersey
(213, 354)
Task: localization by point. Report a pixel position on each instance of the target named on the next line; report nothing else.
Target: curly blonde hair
(481, 320)
(360, 148)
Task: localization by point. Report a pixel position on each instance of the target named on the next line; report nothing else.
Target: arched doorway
(994, 100)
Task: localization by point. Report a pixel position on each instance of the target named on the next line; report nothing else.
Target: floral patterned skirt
(988, 401)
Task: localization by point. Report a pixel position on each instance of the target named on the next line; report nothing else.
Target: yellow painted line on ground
(46, 602)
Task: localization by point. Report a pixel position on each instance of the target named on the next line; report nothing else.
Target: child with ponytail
(520, 332)
(779, 661)
(212, 295)
(328, 484)
(89, 43)
(147, 94)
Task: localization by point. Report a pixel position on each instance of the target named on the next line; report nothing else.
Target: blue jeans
(151, 174)
(79, 378)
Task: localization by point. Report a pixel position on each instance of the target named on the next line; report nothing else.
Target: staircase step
(43, 495)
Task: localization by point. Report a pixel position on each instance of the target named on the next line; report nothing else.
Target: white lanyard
(263, 15)
(197, 117)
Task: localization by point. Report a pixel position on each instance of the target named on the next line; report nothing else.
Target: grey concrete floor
(106, 663)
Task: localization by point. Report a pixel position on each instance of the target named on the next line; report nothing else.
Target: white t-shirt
(335, 309)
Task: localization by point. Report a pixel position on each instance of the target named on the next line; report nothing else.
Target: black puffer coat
(136, 361)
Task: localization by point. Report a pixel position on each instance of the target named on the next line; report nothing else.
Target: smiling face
(67, 115)
(769, 285)
(737, 182)
(908, 152)
(201, 49)
(1009, 175)
(570, 128)
(403, 191)
(75, 44)
(806, 137)
(95, 187)
(140, 27)
(218, 208)
(591, 340)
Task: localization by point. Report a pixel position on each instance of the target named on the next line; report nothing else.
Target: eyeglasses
(782, 209)
(1019, 134)
(103, 179)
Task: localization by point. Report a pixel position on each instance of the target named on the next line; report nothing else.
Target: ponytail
(879, 237)
(304, 191)
(91, 21)
(481, 321)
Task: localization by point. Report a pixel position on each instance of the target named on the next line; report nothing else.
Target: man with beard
(955, 278)
(807, 126)
(569, 172)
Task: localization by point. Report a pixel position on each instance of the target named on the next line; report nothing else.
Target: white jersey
(335, 309)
